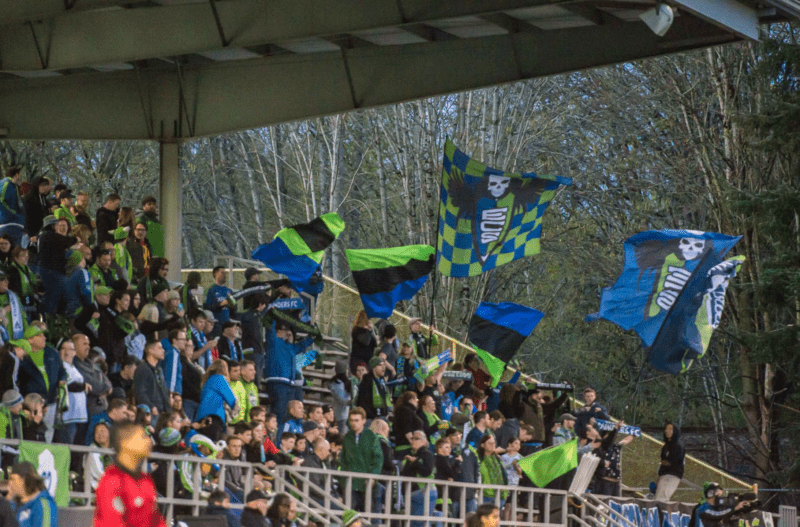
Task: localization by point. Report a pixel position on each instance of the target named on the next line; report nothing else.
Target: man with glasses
(141, 252)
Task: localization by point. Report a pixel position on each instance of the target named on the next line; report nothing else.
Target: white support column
(171, 206)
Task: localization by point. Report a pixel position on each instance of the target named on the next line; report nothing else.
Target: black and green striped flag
(386, 276)
(496, 331)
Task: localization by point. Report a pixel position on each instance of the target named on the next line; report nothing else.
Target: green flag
(52, 463)
(548, 464)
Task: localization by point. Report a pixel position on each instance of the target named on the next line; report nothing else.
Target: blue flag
(671, 293)
(488, 217)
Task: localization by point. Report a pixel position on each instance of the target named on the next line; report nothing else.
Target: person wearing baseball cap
(566, 430)
(66, 198)
(351, 518)
(373, 394)
(254, 513)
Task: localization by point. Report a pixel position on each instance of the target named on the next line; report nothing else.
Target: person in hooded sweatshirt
(672, 456)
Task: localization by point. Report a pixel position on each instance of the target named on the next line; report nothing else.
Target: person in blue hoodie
(11, 206)
(34, 505)
(173, 349)
(211, 412)
(281, 368)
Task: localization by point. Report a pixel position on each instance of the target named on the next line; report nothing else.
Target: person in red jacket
(126, 496)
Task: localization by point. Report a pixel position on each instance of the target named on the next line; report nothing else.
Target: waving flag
(548, 464)
(488, 217)
(386, 276)
(671, 293)
(496, 331)
(297, 251)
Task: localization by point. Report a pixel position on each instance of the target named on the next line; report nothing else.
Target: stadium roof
(174, 69)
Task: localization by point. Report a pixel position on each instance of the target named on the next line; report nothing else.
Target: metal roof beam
(88, 38)
(239, 95)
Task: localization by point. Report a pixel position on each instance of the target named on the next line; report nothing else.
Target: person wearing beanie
(36, 506)
(12, 312)
(106, 218)
(36, 208)
(42, 372)
(54, 242)
(156, 280)
(373, 394)
(351, 518)
(10, 425)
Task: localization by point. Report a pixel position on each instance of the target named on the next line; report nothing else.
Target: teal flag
(52, 463)
(548, 464)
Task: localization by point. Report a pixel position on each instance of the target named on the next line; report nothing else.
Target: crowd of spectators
(94, 334)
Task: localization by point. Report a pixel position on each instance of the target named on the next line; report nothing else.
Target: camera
(732, 500)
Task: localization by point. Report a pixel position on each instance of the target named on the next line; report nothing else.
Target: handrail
(461, 347)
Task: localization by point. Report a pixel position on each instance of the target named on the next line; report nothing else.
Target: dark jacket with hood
(673, 453)
(35, 208)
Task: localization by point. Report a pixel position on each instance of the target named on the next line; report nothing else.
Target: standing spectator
(318, 457)
(42, 372)
(80, 292)
(229, 345)
(218, 298)
(670, 471)
(155, 280)
(6, 246)
(64, 211)
(361, 452)
(565, 431)
(362, 340)
(388, 342)
(76, 411)
(7, 516)
(11, 207)
(52, 261)
(11, 425)
(11, 355)
(148, 381)
(608, 481)
(187, 292)
(295, 422)
(173, 349)
(36, 507)
(234, 479)
(281, 366)
(373, 394)
(81, 211)
(99, 385)
(255, 509)
(253, 334)
(406, 366)
(23, 281)
(492, 472)
(215, 394)
(418, 341)
(103, 273)
(419, 463)
(107, 216)
(12, 310)
(203, 346)
(122, 257)
(480, 379)
(447, 469)
(126, 496)
(479, 430)
(35, 202)
(470, 473)
(192, 381)
(127, 218)
(341, 390)
(248, 388)
(591, 408)
(141, 253)
(155, 232)
(510, 461)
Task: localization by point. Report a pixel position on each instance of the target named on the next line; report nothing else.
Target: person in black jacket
(670, 471)
(405, 422)
(8, 517)
(420, 464)
(53, 244)
(448, 468)
(36, 207)
(362, 340)
(253, 333)
(219, 504)
(192, 381)
(107, 216)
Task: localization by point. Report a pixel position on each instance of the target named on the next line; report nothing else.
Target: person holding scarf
(12, 310)
(433, 424)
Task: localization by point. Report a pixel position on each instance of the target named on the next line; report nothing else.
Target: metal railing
(389, 498)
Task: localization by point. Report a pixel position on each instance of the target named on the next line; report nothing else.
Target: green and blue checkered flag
(488, 217)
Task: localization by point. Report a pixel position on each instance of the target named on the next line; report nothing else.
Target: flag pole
(435, 278)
